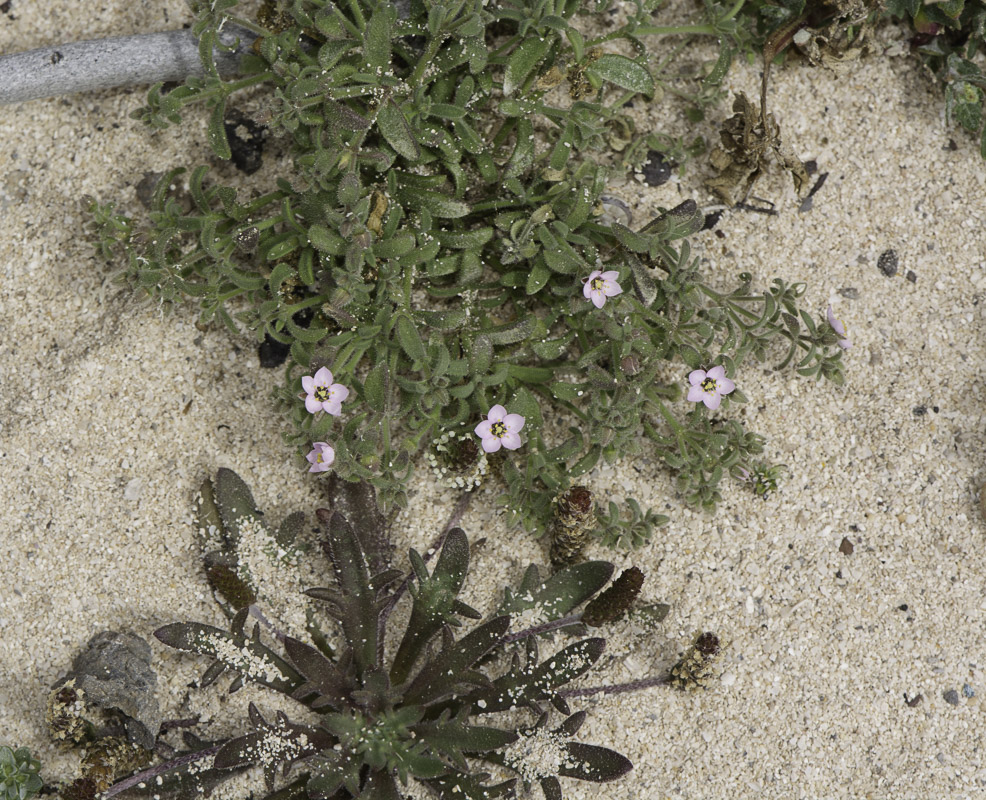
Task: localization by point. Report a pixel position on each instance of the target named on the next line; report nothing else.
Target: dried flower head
(708, 387)
(573, 522)
(322, 394)
(600, 285)
(612, 604)
(500, 428)
(697, 667)
(66, 714)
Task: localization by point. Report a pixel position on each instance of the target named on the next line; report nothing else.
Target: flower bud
(574, 521)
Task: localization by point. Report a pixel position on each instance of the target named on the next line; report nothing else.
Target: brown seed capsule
(110, 758)
(66, 712)
(574, 521)
(697, 667)
(612, 604)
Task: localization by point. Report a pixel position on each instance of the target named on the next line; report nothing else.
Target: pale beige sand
(99, 464)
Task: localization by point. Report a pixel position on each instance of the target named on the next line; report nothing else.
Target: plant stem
(617, 688)
(160, 769)
(544, 627)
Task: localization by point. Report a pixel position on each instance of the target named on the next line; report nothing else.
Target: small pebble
(951, 697)
(849, 293)
(656, 170)
(887, 263)
(133, 489)
(845, 547)
(728, 678)
(967, 690)
(911, 276)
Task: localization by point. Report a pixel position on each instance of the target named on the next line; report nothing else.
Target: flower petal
(333, 407)
(497, 413)
(491, 444)
(835, 322)
(514, 422)
(717, 373)
(598, 298)
(308, 384)
(510, 440)
(594, 274)
(611, 289)
(338, 392)
(725, 385)
(313, 405)
(609, 275)
(845, 344)
(695, 394)
(712, 400)
(482, 430)
(587, 290)
(323, 377)
(695, 377)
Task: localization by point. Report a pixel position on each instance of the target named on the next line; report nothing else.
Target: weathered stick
(117, 61)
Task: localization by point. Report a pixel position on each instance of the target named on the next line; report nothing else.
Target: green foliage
(19, 778)
(431, 243)
(375, 719)
(951, 39)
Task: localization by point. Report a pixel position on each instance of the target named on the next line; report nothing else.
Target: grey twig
(117, 61)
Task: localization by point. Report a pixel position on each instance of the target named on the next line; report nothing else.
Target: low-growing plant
(438, 250)
(377, 711)
(20, 777)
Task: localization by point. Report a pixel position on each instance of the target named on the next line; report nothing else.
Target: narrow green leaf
(217, 130)
(523, 60)
(397, 131)
(624, 72)
(410, 340)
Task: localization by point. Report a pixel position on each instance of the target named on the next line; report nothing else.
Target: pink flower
(708, 387)
(839, 328)
(600, 285)
(323, 394)
(321, 457)
(500, 428)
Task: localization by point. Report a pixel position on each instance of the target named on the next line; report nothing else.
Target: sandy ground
(100, 454)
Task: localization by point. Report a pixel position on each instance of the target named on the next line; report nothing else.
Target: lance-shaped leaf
(248, 657)
(471, 787)
(443, 674)
(557, 596)
(235, 503)
(644, 285)
(523, 60)
(590, 762)
(434, 601)
(354, 604)
(397, 130)
(322, 676)
(357, 502)
(453, 738)
(272, 744)
(624, 72)
(537, 682)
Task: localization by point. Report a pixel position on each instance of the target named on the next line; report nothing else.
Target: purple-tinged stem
(617, 688)
(544, 627)
(160, 769)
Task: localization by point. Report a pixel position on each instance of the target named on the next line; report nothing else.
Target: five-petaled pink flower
(500, 428)
(600, 285)
(323, 394)
(839, 328)
(708, 387)
(321, 457)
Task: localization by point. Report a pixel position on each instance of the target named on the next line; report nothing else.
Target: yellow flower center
(498, 429)
(318, 458)
(597, 284)
(322, 393)
(709, 385)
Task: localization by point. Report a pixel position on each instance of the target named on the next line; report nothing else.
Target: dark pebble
(914, 700)
(912, 276)
(845, 547)
(272, 353)
(887, 263)
(656, 170)
(811, 167)
(146, 187)
(951, 697)
(849, 293)
(246, 141)
(919, 411)
(967, 690)
(711, 220)
(902, 607)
